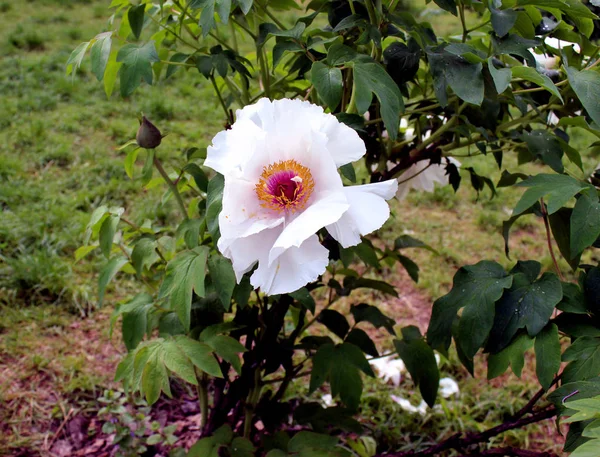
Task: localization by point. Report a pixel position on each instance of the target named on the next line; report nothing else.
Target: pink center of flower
(284, 185)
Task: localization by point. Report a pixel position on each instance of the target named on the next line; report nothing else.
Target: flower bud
(148, 136)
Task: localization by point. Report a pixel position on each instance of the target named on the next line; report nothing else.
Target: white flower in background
(389, 369)
(423, 176)
(280, 161)
(327, 400)
(448, 387)
(551, 62)
(406, 405)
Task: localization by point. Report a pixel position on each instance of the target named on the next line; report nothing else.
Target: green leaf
(304, 440)
(477, 287)
(206, 447)
(586, 409)
(200, 354)
(422, 366)
(352, 283)
(107, 233)
(531, 74)
(304, 297)
(109, 271)
(348, 172)
(188, 270)
(134, 319)
(371, 78)
(586, 85)
(503, 21)
(100, 53)
(178, 362)
(130, 161)
(360, 339)
(143, 255)
(560, 223)
(335, 322)
(545, 146)
(137, 65)
(527, 304)
(222, 277)
(556, 189)
(228, 349)
(513, 355)
(501, 76)
(463, 77)
(214, 204)
(155, 378)
(241, 447)
(406, 241)
(328, 82)
(82, 251)
(584, 358)
(585, 222)
(372, 314)
(154, 439)
(587, 449)
(448, 5)
(110, 74)
(136, 19)
(547, 355)
(199, 176)
(76, 57)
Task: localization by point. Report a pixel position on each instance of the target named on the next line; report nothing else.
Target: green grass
(58, 162)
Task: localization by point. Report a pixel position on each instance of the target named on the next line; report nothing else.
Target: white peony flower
(422, 176)
(406, 405)
(279, 161)
(448, 387)
(327, 400)
(389, 369)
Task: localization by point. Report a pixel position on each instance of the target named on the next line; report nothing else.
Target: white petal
(328, 209)
(242, 214)
(343, 143)
(232, 149)
(245, 252)
(293, 269)
(448, 387)
(368, 211)
(405, 404)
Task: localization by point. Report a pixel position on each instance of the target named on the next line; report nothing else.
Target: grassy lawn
(58, 162)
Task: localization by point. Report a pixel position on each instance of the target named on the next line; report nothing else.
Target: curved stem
(549, 239)
(172, 186)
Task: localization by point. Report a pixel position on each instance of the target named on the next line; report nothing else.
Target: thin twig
(549, 239)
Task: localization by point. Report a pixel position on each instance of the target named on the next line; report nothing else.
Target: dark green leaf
(143, 254)
(586, 85)
(214, 204)
(585, 222)
(352, 283)
(545, 146)
(560, 223)
(328, 82)
(584, 358)
(406, 241)
(136, 19)
(137, 65)
(525, 305)
(371, 78)
(531, 74)
(360, 339)
(448, 5)
(223, 278)
(513, 355)
(422, 366)
(556, 189)
(305, 440)
(335, 322)
(547, 355)
(372, 314)
(227, 348)
(503, 21)
(348, 172)
(477, 287)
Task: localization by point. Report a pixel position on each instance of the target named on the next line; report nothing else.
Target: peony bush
(332, 108)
